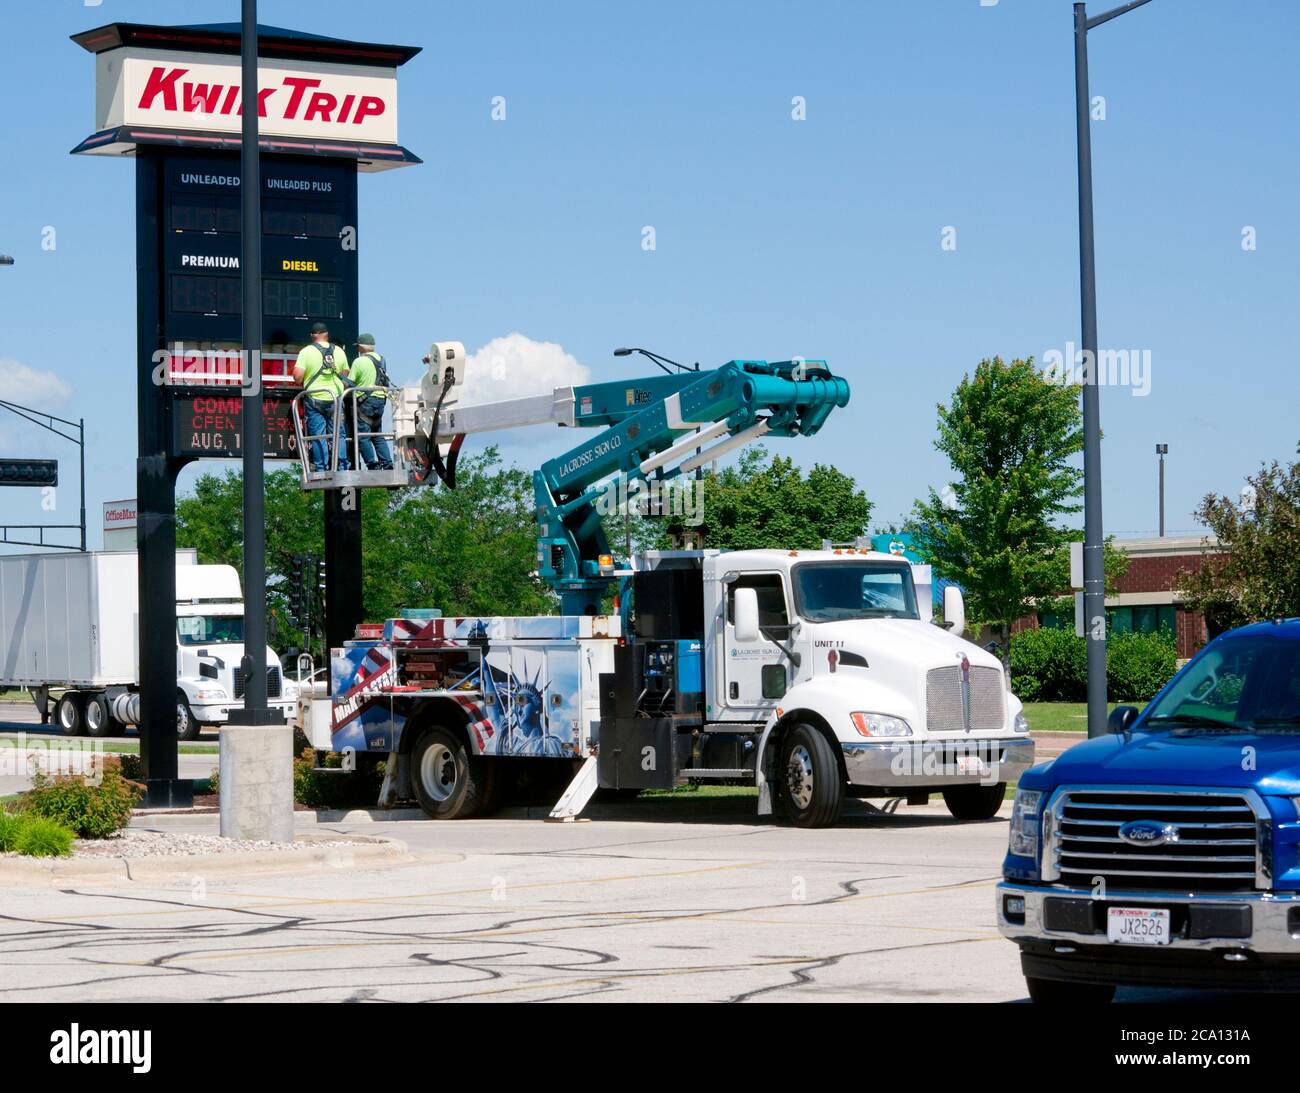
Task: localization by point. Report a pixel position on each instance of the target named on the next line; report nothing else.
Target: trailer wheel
(450, 783)
(68, 714)
(809, 778)
(96, 716)
(1060, 992)
(974, 802)
(187, 728)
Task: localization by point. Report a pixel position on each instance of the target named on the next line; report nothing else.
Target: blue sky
(774, 237)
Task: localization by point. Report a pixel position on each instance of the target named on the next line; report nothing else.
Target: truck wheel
(95, 715)
(187, 728)
(68, 714)
(974, 802)
(1060, 992)
(809, 778)
(450, 783)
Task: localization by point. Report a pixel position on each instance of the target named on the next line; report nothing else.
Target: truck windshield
(834, 591)
(210, 629)
(1251, 682)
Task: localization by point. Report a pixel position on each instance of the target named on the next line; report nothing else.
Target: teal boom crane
(654, 427)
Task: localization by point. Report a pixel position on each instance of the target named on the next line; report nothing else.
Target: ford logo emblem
(1148, 833)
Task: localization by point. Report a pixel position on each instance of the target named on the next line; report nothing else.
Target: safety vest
(321, 374)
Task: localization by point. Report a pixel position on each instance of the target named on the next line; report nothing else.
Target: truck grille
(943, 700)
(1211, 839)
(272, 683)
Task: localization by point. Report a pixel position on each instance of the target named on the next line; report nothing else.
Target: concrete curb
(164, 820)
(372, 851)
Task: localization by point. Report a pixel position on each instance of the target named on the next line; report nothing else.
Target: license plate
(971, 764)
(1137, 926)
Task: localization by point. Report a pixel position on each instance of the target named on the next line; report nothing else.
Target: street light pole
(1162, 450)
(255, 710)
(1094, 570)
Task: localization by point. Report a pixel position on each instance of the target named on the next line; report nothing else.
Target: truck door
(756, 673)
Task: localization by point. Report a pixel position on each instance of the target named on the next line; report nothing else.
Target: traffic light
(296, 588)
(29, 472)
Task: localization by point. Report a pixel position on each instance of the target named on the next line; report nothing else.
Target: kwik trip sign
(202, 91)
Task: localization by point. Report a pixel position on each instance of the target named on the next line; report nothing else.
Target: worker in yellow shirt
(322, 370)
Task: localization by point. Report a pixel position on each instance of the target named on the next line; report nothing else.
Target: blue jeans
(320, 420)
(375, 452)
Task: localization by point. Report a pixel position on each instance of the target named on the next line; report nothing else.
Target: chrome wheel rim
(438, 772)
(67, 715)
(182, 719)
(799, 776)
(94, 717)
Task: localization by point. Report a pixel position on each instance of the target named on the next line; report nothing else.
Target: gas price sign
(211, 425)
(309, 257)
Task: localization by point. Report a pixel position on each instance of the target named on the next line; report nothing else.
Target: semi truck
(810, 674)
(1167, 852)
(69, 632)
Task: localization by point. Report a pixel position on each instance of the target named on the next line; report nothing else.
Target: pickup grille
(943, 700)
(1213, 841)
(272, 683)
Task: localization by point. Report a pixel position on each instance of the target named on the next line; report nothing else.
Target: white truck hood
(902, 644)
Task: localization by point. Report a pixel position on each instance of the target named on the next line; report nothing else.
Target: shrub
(92, 811)
(315, 789)
(1049, 665)
(132, 767)
(10, 824)
(42, 838)
(1138, 665)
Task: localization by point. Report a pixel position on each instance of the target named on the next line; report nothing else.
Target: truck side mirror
(1121, 719)
(745, 606)
(954, 610)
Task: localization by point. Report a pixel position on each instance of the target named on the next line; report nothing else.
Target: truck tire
(187, 728)
(67, 714)
(1059, 992)
(974, 802)
(809, 778)
(449, 782)
(96, 717)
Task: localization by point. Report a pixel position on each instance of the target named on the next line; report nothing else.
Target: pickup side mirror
(745, 606)
(1121, 719)
(954, 610)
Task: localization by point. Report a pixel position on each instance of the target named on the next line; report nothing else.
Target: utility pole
(1094, 571)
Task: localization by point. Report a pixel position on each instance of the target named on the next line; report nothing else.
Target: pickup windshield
(210, 629)
(1250, 683)
(834, 591)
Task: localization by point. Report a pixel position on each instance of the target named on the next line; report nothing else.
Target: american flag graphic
(376, 671)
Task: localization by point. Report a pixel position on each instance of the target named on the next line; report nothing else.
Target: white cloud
(27, 386)
(515, 366)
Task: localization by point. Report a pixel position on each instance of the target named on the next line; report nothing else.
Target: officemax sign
(202, 91)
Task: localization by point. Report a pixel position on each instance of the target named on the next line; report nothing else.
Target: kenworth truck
(1167, 853)
(812, 674)
(69, 623)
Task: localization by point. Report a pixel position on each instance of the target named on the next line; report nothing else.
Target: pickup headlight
(1022, 840)
(211, 694)
(1021, 724)
(879, 724)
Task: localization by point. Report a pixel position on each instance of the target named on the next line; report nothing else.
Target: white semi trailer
(69, 631)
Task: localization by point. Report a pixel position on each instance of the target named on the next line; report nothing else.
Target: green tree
(1252, 572)
(766, 501)
(468, 551)
(1009, 435)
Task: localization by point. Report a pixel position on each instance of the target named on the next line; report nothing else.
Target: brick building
(1149, 597)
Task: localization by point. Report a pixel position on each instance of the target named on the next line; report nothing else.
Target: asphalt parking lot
(877, 909)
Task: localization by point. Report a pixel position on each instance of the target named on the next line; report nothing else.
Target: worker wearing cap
(322, 369)
(368, 371)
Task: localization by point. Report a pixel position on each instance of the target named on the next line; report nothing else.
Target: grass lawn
(115, 747)
(1057, 716)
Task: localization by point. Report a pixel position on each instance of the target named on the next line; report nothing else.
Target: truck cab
(823, 677)
(209, 648)
(1166, 852)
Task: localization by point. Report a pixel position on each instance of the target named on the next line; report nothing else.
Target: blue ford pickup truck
(1166, 853)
